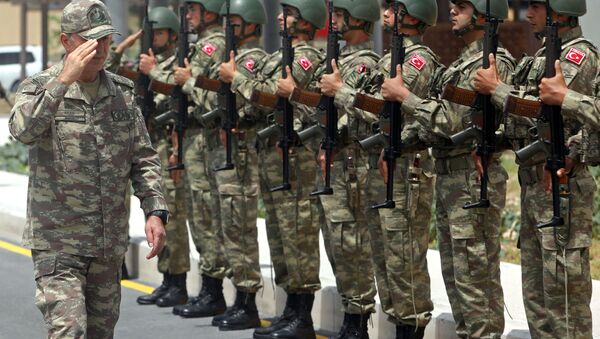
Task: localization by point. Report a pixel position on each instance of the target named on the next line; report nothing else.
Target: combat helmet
(162, 17)
(366, 10)
(252, 11)
(424, 10)
(575, 8)
(313, 11)
(498, 10)
(210, 5)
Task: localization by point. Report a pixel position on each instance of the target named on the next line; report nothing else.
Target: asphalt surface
(20, 319)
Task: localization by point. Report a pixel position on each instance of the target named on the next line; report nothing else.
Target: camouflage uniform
(292, 219)
(238, 188)
(469, 240)
(347, 211)
(399, 244)
(80, 165)
(201, 147)
(548, 267)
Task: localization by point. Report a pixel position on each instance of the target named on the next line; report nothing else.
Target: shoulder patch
(209, 49)
(305, 63)
(575, 56)
(249, 64)
(362, 68)
(417, 61)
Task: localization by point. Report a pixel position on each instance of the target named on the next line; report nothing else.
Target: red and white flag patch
(575, 56)
(209, 49)
(249, 64)
(362, 68)
(305, 63)
(417, 61)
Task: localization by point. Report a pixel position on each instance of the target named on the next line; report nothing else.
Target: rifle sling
(368, 103)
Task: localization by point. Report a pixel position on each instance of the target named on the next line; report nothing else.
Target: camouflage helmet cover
(88, 18)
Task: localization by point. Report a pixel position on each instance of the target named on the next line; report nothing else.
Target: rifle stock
(304, 97)
(522, 107)
(264, 99)
(368, 103)
(459, 95)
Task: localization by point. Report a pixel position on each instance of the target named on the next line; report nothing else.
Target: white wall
(590, 22)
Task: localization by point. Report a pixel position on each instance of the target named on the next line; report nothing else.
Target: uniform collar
(210, 31)
(571, 34)
(250, 45)
(351, 49)
(472, 49)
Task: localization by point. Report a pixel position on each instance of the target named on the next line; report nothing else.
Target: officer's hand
(285, 86)
(128, 42)
(155, 234)
(227, 69)
(147, 62)
(553, 90)
(562, 174)
(393, 89)
(486, 80)
(76, 61)
(383, 168)
(182, 74)
(331, 83)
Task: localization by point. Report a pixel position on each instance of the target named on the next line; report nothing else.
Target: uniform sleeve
(584, 108)
(205, 56)
(356, 77)
(35, 108)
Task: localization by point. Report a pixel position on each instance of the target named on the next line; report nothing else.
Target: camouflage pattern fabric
(549, 260)
(347, 216)
(469, 240)
(400, 242)
(292, 217)
(71, 151)
(78, 296)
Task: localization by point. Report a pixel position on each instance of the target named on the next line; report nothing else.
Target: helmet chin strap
(347, 27)
(472, 26)
(243, 36)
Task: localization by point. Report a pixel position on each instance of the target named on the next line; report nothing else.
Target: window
(9, 58)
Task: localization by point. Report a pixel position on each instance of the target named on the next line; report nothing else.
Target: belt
(531, 175)
(449, 165)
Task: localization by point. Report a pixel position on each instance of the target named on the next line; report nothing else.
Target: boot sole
(238, 328)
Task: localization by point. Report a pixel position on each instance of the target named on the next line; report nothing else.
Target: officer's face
(97, 62)
(161, 38)
(461, 12)
(536, 15)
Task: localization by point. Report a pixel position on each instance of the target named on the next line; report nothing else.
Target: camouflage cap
(88, 18)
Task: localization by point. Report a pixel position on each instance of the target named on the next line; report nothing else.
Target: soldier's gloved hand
(128, 42)
(76, 61)
(227, 69)
(155, 235)
(383, 168)
(487, 80)
(285, 86)
(331, 83)
(147, 62)
(182, 74)
(393, 89)
(562, 174)
(553, 90)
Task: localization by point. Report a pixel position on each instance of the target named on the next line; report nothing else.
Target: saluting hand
(487, 80)
(227, 69)
(128, 42)
(76, 61)
(331, 83)
(155, 235)
(285, 86)
(182, 74)
(147, 62)
(553, 90)
(393, 89)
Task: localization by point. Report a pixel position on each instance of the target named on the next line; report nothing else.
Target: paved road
(19, 318)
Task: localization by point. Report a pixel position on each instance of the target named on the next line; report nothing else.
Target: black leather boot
(354, 327)
(288, 314)
(409, 332)
(150, 299)
(203, 290)
(301, 326)
(211, 304)
(176, 294)
(244, 316)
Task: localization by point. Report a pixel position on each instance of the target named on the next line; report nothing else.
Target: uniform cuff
(155, 73)
(188, 87)
(410, 104)
(237, 81)
(154, 203)
(500, 95)
(56, 88)
(345, 96)
(570, 104)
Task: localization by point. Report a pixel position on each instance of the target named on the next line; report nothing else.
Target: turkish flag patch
(575, 56)
(249, 64)
(209, 49)
(305, 63)
(362, 68)
(417, 61)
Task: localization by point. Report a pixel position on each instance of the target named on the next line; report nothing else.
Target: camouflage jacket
(439, 119)
(165, 62)
(579, 61)
(82, 155)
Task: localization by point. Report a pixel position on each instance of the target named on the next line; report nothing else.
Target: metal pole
(44, 12)
(23, 54)
(378, 38)
(271, 38)
(119, 10)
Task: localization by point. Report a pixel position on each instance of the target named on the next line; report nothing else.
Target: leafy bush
(13, 157)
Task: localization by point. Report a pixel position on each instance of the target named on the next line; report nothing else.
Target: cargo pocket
(43, 266)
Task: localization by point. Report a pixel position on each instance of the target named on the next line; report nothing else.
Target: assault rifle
(180, 97)
(483, 114)
(145, 95)
(550, 127)
(392, 112)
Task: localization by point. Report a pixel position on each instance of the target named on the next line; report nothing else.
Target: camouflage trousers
(555, 262)
(79, 297)
(238, 193)
(175, 256)
(469, 244)
(203, 205)
(346, 232)
(292, 220)
(400, 246)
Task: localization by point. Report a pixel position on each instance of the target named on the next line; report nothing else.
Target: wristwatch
(162, 214)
